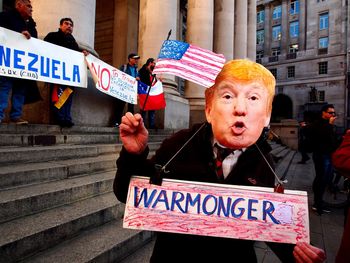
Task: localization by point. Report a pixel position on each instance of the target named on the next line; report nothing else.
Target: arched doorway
(282, 108)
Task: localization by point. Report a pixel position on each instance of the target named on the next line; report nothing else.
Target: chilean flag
(155, 99)
(187, 61)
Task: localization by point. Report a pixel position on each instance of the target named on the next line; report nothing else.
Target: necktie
(221, 154)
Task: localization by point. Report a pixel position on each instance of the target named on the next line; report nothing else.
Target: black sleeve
(283, 251)
(127, 166)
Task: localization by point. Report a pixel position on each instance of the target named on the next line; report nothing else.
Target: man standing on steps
(62, 96)
(19, 20)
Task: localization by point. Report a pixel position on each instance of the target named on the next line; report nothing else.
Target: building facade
(112, 29)
(304, 43)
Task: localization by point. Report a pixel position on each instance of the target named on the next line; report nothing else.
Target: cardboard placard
(242, 212)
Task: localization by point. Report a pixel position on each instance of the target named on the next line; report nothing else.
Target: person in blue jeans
(19, 20)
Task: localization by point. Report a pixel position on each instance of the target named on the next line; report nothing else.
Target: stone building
(305, 45)
(113, 29)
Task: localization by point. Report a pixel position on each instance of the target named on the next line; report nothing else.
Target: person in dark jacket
(324, 142)
(146, 76)
(238, 107)
(19, 20)
(64, 38)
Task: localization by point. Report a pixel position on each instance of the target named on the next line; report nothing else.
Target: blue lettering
(32, 62)
(269, 211)
(162, 198)
(206, 199)
(250, 209)
(64, 72)
(176, 201)
(143, 196)
(222, 208)
(193, 202)
(5, 58)
(17, 59)
(42, 67)
(55, 68)
(239, 209)
(76, 74)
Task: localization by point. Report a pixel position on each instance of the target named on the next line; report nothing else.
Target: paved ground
(325, 230)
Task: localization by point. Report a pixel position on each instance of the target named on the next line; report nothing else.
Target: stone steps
(19, 202)
(27, 235)
(58, 197)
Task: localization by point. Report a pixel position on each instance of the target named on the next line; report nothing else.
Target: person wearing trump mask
(238, 107)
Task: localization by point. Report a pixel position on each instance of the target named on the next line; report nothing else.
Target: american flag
(187, 61)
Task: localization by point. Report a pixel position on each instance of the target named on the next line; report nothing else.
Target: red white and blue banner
(35, 59)
(153, 96)
(112, 81)
(190, 62)
(232, 211)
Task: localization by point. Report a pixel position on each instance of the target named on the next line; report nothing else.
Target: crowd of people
(25, 91)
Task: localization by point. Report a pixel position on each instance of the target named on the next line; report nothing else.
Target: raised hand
(133, 133)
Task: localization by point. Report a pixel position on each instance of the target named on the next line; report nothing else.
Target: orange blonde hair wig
(244, 71)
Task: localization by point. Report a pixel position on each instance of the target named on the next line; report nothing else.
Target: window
(274, 72)
(276, 51)
(277, 12)
(294, 29)
(276, 33)
(321, 96)
(260, 36)
(323, 21)
(293, 48)
(323, 42)
(260, 54)
(294, 7)
(323, 67)
(290, 72)
(260, 16)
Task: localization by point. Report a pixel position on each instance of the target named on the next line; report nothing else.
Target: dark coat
(196, 163)
(13, 20)
(61, 39)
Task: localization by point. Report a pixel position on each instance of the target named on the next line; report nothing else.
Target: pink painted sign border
(216, 210)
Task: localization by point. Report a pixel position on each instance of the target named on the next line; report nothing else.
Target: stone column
(200, 25)
(157, 17)
(302, 25)
(267, 29)
(251, 51)
(47, 15)
(284, 28)
(224, 15)
(241, 29)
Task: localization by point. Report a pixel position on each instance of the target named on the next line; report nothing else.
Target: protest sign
(35, 59)
(112, 81)
(242, 212)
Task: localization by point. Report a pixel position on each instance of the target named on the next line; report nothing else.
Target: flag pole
(153, 78)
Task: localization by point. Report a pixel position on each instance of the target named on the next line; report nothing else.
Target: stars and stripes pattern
(190, 62)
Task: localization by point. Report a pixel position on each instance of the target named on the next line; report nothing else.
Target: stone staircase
(56, 199)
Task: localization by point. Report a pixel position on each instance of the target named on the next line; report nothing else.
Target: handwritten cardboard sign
(242, 212)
